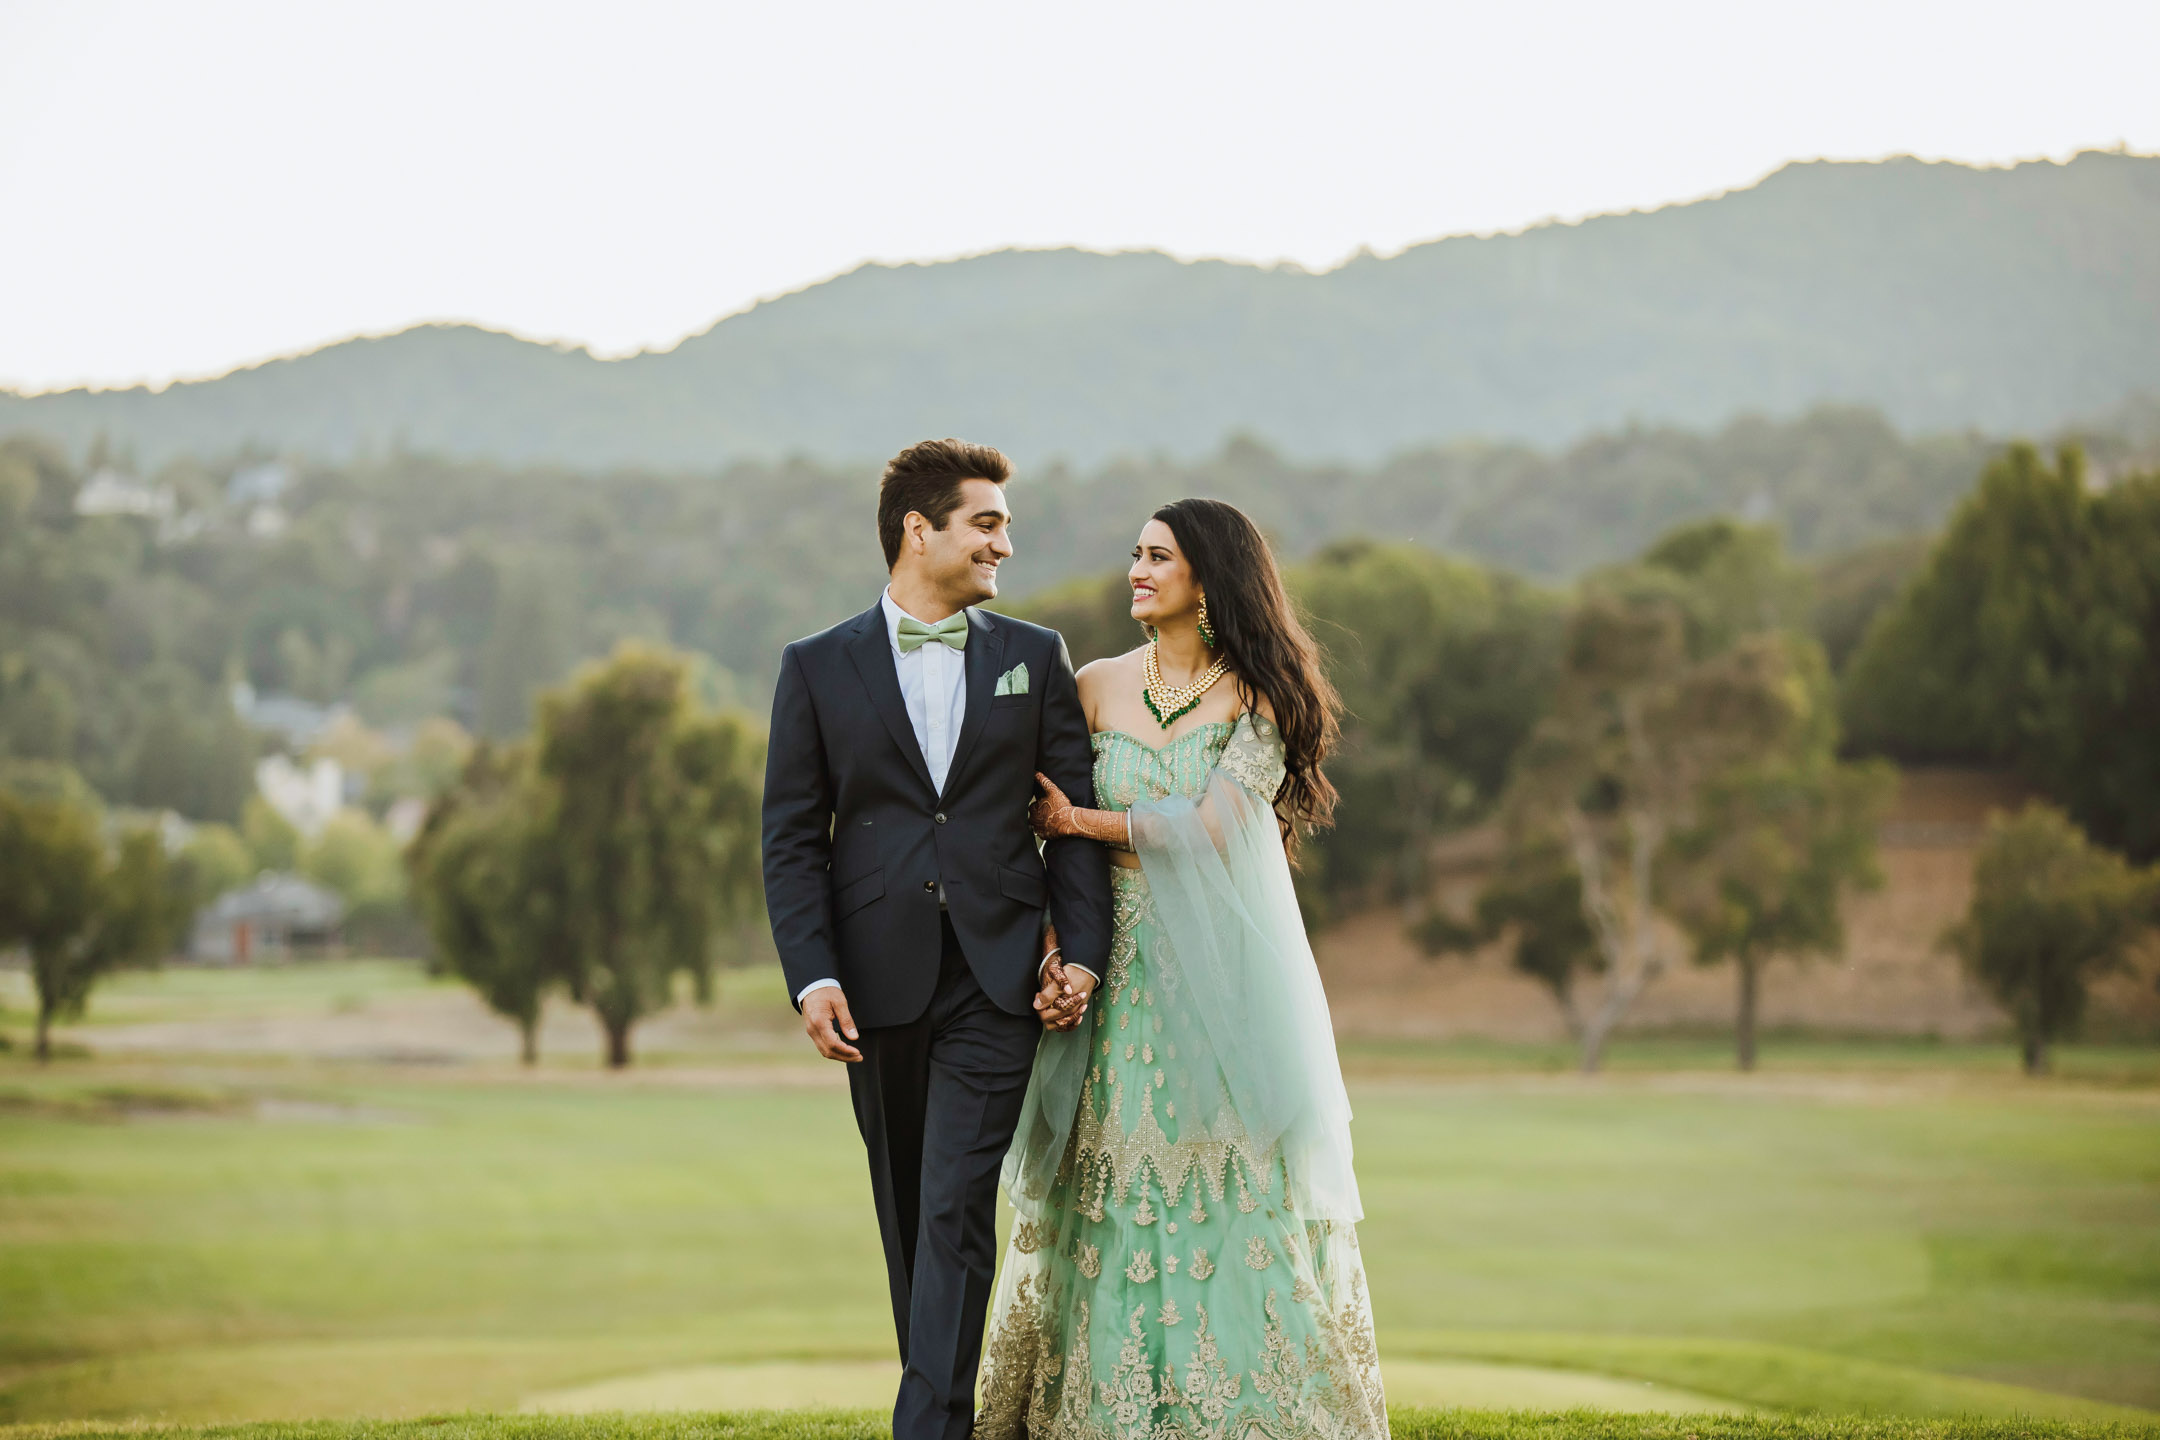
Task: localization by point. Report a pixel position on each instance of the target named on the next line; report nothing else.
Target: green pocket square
(1012, 682)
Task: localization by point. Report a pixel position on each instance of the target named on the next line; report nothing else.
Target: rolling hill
(1945, 296)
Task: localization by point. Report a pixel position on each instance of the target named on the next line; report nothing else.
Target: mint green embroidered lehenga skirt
(1169, 1291)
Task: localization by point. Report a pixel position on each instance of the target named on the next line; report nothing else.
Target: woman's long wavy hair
(1270, 649)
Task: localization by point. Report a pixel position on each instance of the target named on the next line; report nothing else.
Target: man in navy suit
(909, 901)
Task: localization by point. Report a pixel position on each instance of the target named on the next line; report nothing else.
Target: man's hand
(826, 1019)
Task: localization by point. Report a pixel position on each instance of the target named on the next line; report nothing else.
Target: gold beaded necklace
(1165, 702)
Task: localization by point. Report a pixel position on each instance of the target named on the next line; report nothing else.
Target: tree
(270, 837)
(1763, 870)
(1639, 731)
(1536, 901)
(191, 754)
(1444, 667)
(526, 649)
(215, 860)
(355, 856)
(1853, 588)
(2032, 638)
(80, 907)
(603, 857)
(431, 763)
(652, 826)
(480, 872)
(2050, 911)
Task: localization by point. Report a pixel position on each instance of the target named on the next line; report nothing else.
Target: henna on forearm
(1111, 827)
(1052, 816)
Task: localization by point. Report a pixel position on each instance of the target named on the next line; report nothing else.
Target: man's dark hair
(926, 479)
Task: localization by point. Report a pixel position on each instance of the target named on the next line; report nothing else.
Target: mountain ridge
(2008, 297)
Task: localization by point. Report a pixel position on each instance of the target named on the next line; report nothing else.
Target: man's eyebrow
(1005, 515)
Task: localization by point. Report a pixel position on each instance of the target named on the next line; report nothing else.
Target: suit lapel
(985, 662)
(871, 650)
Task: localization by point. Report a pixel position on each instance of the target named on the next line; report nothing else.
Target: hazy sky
(186, 187)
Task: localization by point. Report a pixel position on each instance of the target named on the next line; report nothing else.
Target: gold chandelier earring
(1207, 631)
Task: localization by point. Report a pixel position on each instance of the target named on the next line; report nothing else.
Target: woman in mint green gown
(1184, 1261)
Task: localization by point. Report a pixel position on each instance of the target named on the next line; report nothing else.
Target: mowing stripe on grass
(1776, 1377)
(1406, 1423)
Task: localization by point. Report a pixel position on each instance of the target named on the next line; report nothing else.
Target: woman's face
(1163, 587)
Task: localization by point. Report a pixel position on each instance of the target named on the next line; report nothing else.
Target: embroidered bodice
(1129, 770)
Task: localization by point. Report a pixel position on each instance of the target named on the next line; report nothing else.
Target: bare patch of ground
(1893, 978)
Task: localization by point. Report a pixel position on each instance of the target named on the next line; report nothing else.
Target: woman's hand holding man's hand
(1064, 995)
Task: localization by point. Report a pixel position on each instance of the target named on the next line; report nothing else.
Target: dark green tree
(81, 907)
(651, 821)
(1444, 667)
(1853, 588)
(2050, 911)
(482, 873)
(1763, 870)
(2032, 639)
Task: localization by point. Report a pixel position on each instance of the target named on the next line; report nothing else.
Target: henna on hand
(1053, 815)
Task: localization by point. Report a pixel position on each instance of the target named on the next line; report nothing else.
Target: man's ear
(915, 528)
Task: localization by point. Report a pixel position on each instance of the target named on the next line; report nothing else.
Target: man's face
(961, 560)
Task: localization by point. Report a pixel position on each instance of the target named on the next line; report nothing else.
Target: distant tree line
(413, 587)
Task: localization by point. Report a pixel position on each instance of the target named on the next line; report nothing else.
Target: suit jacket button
(930, 885)
(940, 817)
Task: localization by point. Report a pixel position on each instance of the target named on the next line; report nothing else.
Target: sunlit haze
(193, 187)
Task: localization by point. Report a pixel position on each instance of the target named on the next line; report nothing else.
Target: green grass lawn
(187, 992)
(1861, 1228)
(1404, 1424)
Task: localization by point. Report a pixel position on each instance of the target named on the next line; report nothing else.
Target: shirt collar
(893, 612)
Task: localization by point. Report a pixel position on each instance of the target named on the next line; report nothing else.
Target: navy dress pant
(937, 1101)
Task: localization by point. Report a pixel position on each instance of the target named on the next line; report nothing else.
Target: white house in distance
(307, 795)
(109, 492)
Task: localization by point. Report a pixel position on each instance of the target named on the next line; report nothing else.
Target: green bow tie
(952, 630)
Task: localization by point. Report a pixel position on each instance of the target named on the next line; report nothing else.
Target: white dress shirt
(933, 682)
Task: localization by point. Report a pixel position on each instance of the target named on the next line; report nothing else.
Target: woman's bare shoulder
(1110, 670)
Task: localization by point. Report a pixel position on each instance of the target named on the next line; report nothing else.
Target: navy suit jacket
(857, 841)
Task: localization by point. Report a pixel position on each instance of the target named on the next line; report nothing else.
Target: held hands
(826, 1021)
(1064, 995)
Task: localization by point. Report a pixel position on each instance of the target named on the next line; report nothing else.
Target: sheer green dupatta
(1249, 1050)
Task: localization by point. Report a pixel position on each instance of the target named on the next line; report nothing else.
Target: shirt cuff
(814, 985)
